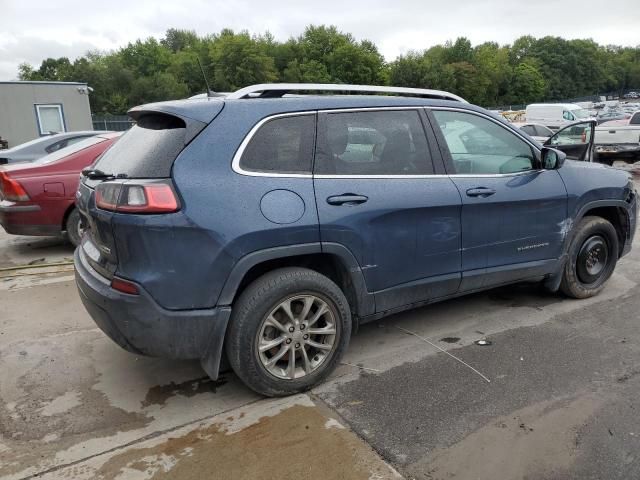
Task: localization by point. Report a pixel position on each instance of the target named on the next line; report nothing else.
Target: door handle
(347, 199)
(483, 192)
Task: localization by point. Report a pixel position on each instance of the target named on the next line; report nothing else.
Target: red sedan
(38, 198)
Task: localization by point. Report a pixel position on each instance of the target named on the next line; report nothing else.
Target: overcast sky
(31, 30)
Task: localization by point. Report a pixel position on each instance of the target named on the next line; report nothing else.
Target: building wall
(18, 120)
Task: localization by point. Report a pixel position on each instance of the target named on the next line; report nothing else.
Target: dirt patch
(159, 394)
(539, 441)
(296, 443)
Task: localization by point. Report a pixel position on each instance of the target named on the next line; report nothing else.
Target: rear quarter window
(281, 145)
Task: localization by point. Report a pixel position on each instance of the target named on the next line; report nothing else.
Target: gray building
(29, 110)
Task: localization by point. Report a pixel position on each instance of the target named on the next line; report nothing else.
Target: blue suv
(261, 228)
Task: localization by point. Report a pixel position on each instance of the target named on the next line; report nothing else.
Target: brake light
(124, 286)
(11, 189)
(132, 197)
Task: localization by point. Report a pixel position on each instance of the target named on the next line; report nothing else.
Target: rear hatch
(139, 164)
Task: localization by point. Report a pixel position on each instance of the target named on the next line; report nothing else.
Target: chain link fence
(116, 123)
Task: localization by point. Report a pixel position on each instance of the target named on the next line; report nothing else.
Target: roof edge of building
(38, 82)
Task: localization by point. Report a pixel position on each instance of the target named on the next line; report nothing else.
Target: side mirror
(552, 159)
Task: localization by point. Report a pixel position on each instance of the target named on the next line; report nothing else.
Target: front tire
(288, 331)
(593, 255)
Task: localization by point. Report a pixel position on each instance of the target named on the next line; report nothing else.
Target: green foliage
(548, 68)
(239, 60)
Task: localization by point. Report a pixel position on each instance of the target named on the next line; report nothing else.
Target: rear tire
(73, 226)
(288, 331)
(593, 255)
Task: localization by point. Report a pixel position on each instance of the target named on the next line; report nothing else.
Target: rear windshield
(65, 152)
(147, 150)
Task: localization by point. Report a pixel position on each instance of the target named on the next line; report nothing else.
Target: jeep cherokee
(262, 227)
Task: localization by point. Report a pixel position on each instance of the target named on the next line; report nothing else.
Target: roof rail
(274, 90)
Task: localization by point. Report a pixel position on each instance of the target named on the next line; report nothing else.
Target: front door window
(479, 146)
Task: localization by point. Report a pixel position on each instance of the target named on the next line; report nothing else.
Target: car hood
(600, 170)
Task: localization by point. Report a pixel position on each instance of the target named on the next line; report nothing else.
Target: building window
(50, 119)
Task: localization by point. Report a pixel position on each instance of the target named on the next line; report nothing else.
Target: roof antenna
(210, 93)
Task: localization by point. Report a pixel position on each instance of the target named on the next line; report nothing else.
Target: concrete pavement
(561, 401)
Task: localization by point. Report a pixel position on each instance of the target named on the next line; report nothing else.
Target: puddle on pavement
(298, 442)
(450, 339)
(159, 394)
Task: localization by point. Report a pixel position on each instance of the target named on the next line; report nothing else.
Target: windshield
(65, 152)
(580, 113)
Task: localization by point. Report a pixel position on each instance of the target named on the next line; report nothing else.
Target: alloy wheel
(297, 336)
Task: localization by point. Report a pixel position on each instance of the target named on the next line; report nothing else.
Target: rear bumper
(139, 325)
(618, 148)
(24, 220)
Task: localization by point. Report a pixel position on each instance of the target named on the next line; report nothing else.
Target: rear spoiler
(201, 110)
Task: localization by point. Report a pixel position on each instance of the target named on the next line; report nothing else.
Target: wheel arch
(614, 211)
(67, 212)
(332, 260)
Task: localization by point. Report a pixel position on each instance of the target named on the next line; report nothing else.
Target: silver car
(537, 131)
(29, 151)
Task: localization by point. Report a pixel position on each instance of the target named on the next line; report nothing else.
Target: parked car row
(619, 140)
(616, 137)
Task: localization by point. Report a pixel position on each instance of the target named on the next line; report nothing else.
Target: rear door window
(384, 142)
(281, 145)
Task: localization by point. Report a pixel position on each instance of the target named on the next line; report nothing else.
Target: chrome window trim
(379, 177)
(417, 108)
(490, 118)
(235, 164)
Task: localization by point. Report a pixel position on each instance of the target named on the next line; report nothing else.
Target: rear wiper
(95, 174)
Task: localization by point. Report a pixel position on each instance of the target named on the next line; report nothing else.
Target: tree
(531, 69)
(238, 60)
(177, 40)
(528, 84)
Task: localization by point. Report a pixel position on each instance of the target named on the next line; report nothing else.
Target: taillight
(137, 197)
(11, 189)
